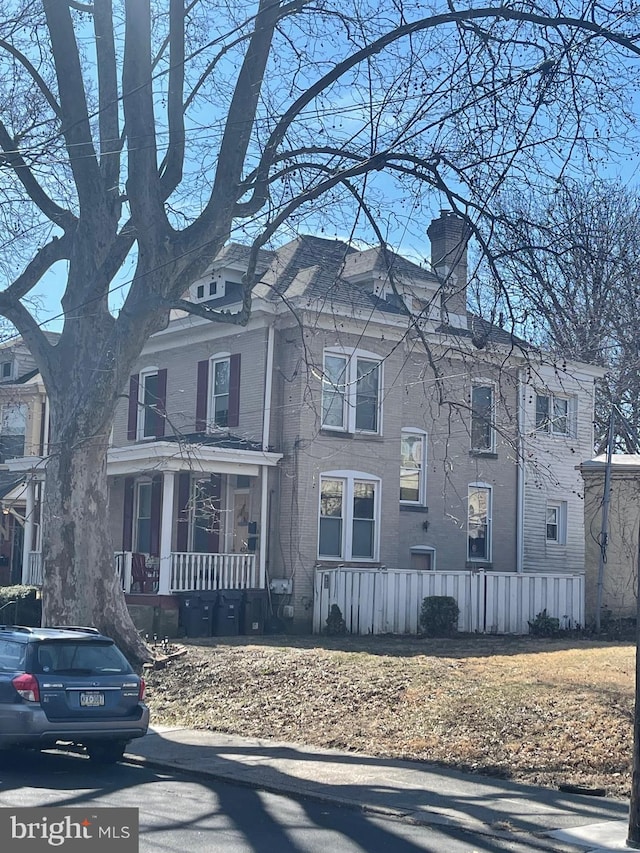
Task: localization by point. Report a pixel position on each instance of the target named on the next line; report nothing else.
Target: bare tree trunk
(80, 583)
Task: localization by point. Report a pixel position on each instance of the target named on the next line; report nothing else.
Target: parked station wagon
(68, 686)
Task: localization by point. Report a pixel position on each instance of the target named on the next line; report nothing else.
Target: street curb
(402, 815)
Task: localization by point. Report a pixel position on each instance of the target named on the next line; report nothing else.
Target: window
(554, 414)
(482, 412)
(412, 467)
(220, 374)
(149, 415)
(6, 369)
(351, 392)
(348, 527)
(147, 404)
(143, 517)
(210, 290)
(218, 392)
(556, 522)
(423, 558)
(13, 427)
(479, 523)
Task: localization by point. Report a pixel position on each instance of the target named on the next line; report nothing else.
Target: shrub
(19, 606)
(544, 625)
(336, 625)
(439, 615)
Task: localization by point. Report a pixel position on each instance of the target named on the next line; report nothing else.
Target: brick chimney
(449, 236)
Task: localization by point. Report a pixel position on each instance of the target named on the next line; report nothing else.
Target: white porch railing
(191, 571)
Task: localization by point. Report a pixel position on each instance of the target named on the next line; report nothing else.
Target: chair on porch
(144, 578)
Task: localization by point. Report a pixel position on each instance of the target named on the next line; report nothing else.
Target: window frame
(487, 556)
(350, 480)
(481, 419)
(423, 551)
(353, 396)
(220, 358)
(140, 484)
(547, 425)
(147, 413)
(560, 509)
(411, 432)
(23, 407)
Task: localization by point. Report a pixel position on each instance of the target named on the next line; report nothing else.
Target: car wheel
(106, 752)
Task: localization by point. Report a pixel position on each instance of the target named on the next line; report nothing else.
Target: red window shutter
(234, 390)
(162, 403)
(132, 422)
(202, 393)
(182, 527)
(156, 504)
(127, 514)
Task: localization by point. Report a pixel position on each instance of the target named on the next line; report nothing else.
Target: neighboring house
(617, 564)
(362, 419)
(24, 429)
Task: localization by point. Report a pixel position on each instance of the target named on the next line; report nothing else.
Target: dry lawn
(541, 711)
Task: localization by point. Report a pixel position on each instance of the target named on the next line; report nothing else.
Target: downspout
(264, 470)
(520, 474)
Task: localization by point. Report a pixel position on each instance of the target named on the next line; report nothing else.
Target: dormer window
(6, 369)
(209, 290)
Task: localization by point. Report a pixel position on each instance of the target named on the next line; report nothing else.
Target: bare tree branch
(76, 126)
(110, 142)
(58, 215)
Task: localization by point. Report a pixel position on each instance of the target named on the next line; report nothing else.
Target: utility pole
(604, 530)
(633, 837)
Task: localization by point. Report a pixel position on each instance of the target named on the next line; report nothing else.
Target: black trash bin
(254, 611)
(208, 602)
(191, 615)
(226, 614)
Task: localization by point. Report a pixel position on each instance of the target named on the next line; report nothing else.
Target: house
(615, 566)
(363, 420)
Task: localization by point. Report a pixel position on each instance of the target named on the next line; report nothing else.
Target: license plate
(91, 700)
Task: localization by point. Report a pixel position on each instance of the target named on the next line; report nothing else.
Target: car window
(80, 658)
(12, 655)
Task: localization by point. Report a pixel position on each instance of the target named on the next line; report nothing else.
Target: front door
(206, 514)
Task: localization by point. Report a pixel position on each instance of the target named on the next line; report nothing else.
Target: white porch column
(27, 544)
(166, 530)
(264, 520)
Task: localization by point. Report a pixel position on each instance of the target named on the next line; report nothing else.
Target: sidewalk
(422, 793)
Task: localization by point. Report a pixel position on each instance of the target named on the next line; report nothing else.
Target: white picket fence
(388, 601)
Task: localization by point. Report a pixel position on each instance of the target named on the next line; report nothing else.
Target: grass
(541, 711)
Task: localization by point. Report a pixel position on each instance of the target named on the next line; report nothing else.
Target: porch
(181, 572)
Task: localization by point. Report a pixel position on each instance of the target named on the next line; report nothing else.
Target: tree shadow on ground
(459, 646)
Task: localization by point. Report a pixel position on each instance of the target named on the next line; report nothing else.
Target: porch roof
(224, 456)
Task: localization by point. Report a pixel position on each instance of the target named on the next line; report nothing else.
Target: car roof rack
(26, 629)
(83, 628)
